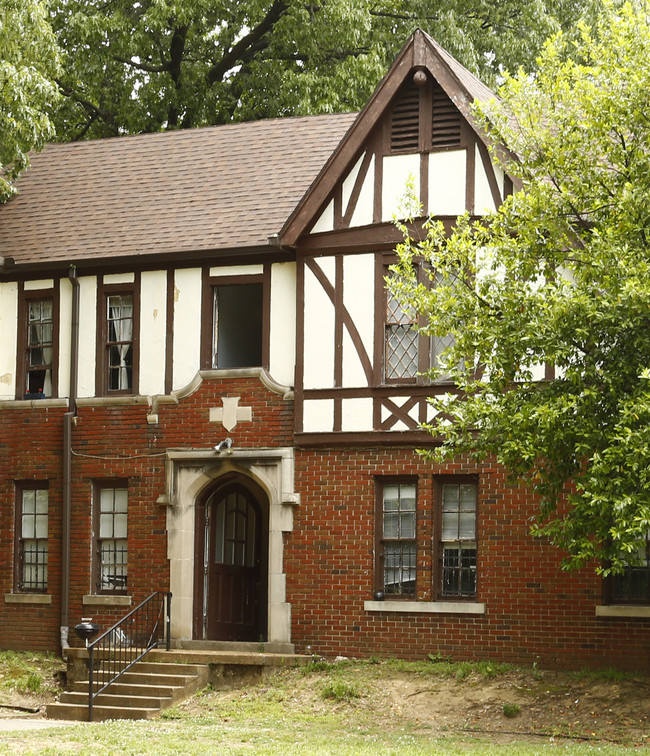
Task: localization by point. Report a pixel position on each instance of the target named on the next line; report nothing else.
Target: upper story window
(31, 553)
(118, 326)
(407, 353)
(110, 530)
(401, 343)
(38, 342)
(238, 326)
(235, 321)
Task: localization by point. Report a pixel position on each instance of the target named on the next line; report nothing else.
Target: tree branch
(254, 40)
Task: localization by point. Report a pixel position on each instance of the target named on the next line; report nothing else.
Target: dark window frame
(102, 379)
(19, 580)
(119, 587)
(424, 342)
(25, 297)
(618, 590)
(208, 318)
(439, 592)
(381, 540)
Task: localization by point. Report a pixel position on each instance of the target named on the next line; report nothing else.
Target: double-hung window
(117, 339)
(397, 544)
(457, 550)
(426, 538)
(37, 344)
(633, 585)
(111, 542)
(31, 563)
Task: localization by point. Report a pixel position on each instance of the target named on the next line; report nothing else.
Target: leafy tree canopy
(559, 276)
(147, 65)
(29, 61)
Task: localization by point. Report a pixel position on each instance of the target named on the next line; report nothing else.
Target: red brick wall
(112, 442)
(534, 611)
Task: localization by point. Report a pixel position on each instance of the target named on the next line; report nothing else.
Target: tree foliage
(29, 62)
(559, 276)
(146, 65)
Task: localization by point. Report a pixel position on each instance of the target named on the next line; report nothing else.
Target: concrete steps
(143, 692)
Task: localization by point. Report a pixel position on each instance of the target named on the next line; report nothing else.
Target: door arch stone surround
(189, 473)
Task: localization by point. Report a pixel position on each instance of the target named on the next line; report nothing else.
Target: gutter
(68, 421)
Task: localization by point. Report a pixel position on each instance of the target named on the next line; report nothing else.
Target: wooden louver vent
(445, 122)
(405, 122)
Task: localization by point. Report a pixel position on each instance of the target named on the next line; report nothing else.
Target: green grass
(325, 709)
(24, 672)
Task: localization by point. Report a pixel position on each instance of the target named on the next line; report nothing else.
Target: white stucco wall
(447, 182)
(318, 415)
(358, 299)
(319, 329)
(187, 325)
(153, 328)
(87, 337)
(8, 338)
(282, 346)
(325, 221)
(65, 336)
(356, 414)
(483, 200)
(397, 169)
(364, 211)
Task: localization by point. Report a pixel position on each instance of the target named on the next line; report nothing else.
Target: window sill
(27, 598)
(425, 607)
(94, 599)
(623, 610)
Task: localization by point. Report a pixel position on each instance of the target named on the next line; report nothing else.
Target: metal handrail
(116, 650)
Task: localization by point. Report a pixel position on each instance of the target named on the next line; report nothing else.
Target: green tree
(559, 276)
(29, 61)
(158, 64)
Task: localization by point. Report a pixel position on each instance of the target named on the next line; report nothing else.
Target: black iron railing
(129, 640)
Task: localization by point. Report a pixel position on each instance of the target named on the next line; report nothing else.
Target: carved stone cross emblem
(230, 413)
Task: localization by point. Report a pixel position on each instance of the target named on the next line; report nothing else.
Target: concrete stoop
(143, 692)
(163, 680)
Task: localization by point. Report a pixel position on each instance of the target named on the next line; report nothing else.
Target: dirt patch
(515, 705)
(551, 704)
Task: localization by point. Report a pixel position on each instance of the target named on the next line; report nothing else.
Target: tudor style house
(205, 388)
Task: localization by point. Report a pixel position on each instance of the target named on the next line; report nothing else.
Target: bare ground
(517, 704)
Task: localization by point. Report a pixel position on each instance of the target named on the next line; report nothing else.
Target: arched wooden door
(233, 580)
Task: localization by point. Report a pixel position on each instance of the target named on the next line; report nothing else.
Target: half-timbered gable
(414, 150)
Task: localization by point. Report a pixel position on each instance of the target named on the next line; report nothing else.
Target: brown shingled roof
(213, 188)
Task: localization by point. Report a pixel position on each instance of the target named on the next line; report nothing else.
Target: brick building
(204, 388)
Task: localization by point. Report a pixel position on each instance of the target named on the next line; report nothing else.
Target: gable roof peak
(420, 54)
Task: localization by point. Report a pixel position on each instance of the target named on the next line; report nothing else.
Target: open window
(238, 325)
(633, 585)
(37, 344)
(235, 321)
(457, 551)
